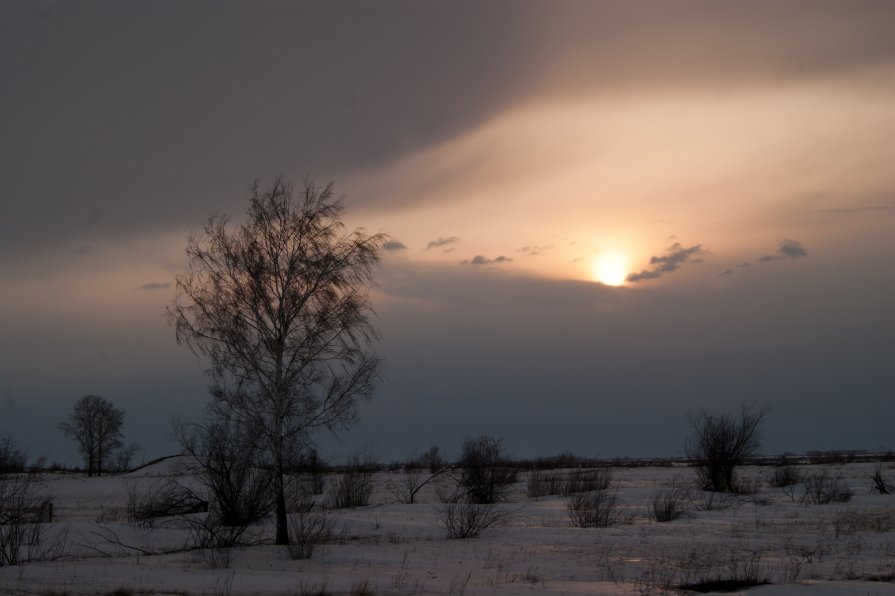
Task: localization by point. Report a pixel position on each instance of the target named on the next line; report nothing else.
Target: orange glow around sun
(610, 268)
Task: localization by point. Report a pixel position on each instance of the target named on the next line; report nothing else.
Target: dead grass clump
(595, 509)
(823, 488)
(785, 475)
(543, 484)
(582, 481)
(462, 520)
(362, 588)
(308, 528)
(23, 509)
(874, 520)
(353, 488)
(738, 574)
(669, 504)
(712, 501)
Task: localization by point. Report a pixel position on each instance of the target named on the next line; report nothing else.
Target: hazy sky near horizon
(605, 215)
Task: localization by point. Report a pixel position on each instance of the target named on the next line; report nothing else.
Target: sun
(611, 268)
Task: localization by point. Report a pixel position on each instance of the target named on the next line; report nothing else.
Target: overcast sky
(606, 216)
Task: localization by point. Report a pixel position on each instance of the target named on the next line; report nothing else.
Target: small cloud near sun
(675, 256)
(479, 260)
(393, 245)
(442, 242)
(534, 250)
(788, 249)
(155, 286)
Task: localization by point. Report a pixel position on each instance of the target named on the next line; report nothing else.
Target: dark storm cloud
(156, 286)
(442, 242)
(393, 245)
(788, 249)
(480, 260)
(674, 257)
(172, 108)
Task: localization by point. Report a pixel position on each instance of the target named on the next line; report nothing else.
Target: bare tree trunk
(279, 478)
(282, 523)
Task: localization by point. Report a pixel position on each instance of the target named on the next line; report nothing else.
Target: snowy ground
(393, 548)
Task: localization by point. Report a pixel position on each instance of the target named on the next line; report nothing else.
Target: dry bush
(784, 476)
(720, 444)
(467, 520)
(23, 509)
(669, 504)
(543, 484)
(421, 471)
(880, 483)
(308, 529)
(739, 573)
(411, 482)
(874, 520)
(823, 487)
(161, 499)
(484, 474)
(309, 588)
(311, 470)
(361, 588)
(211, 539)
(354, 486)
(596, 509)
(582, 481)
(712, 501)
(230, 467)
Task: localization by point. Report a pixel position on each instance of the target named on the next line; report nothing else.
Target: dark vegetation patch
(724, 585)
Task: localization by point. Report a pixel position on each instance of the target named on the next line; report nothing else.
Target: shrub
(595, 509)
(484, 471)
(354, 487)
(823, 488)
(785, 475)
(211, 539)
(582, 481)
(225, 453)
(669, 504)
(467, 520)
(880, 483)
(721, 443)
(542, 484)
(22, 510)
(161, 499)
(308, 529)
(711, 501)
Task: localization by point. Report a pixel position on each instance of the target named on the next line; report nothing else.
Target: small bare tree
(483, 471)
(721, 443)
(95, 425)
(279, 305)
(12, 459)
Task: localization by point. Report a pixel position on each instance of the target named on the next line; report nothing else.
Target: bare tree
(721, 443)
(484, 472)
(95, 425)
(279, 305)
(12, 459)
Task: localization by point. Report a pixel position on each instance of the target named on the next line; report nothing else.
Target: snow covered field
(394, 548)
